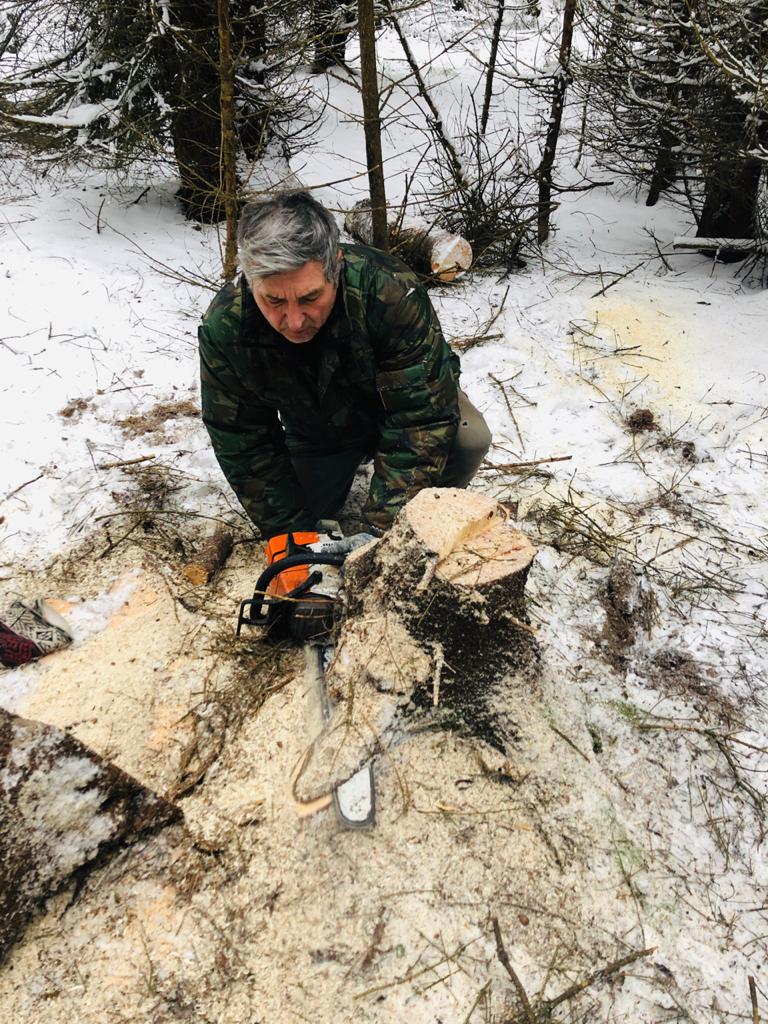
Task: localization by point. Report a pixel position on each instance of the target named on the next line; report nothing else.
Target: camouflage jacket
(385, 381)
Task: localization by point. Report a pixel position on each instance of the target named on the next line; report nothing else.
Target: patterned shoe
(38, 622)
(16, 650)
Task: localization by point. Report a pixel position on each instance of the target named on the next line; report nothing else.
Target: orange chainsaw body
(289, 579)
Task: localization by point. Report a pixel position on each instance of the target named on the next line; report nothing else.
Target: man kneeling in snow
(321, 357)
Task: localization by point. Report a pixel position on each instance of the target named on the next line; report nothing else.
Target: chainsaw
(288, 598)
(297, 595)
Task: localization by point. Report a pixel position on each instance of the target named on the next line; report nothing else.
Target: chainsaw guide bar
(354, 801)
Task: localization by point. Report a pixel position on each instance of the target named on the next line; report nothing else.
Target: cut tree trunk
(211, 557)
(435, 616)
(431, 252)
(63, 809)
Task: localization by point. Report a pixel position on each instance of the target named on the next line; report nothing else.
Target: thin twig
(189, 777)
(753, 999)
(436, 121)
(22, 486)
(484, 334)
(616, 280)
(604, 972)
(139, 197)
(511, 467)
(465, 344)
(501, 953)
(123, 536)
(570, 742)
(500, 385)
(410, 976)
(147, 512)
(125, 462)
(373, 945)
(662, 257)
(480, 997)
(499, 310)
(757, 798)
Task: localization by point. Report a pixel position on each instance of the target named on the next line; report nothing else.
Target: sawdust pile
(255, 911)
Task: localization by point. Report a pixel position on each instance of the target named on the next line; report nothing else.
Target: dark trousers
(327, 478)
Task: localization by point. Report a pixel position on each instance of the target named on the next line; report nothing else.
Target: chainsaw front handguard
(261, 609)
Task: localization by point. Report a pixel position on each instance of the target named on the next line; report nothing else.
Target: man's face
(296, 302)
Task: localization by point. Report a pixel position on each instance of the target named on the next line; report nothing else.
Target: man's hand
(326, 545)
(319, 543)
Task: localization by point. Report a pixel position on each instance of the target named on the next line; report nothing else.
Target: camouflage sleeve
(417, 385)
(249, 443)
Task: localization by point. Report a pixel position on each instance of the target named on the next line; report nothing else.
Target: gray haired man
(322, 356)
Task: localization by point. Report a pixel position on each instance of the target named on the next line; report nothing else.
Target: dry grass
(74, 409)
(582, 530)
(154, 420)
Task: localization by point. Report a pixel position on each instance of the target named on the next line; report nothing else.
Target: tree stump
(430, 252)
(62, 810)
(435, 615)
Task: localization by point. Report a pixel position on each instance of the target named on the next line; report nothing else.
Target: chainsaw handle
(256, 616)
(304, 557)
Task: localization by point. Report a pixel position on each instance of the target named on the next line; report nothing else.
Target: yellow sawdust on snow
(638, 338)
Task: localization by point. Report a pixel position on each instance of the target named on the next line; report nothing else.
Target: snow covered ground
(101, 288)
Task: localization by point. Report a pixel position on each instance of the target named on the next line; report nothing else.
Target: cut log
(63, 809)
(435, 615)
(429, 251)
(211, 557)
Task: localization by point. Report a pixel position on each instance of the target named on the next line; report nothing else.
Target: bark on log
(435, 614)
(62, 811)
(211, 557)
(431, 252)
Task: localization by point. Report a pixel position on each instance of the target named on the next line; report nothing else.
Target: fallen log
(435, 615)
(429, 251)
(63, 809)
(733, 248)
(212, 555)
